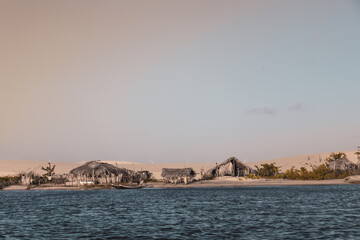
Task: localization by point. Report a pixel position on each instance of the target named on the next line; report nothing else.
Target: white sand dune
(112, 162)
(13, 167)
(307, 161)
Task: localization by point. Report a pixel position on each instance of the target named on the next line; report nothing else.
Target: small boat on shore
(127, 187)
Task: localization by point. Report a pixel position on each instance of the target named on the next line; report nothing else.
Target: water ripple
(293, 212)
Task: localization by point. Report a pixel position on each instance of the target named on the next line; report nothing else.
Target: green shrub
(268, 170)
(151, 180)
(321, 172)
(9, 180)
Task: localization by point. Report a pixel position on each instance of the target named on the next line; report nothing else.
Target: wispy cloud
(296, 107)
(265, 110)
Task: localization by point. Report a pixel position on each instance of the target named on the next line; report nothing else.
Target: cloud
(265, 110)
(296, 107)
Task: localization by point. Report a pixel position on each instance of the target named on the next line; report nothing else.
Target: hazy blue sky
(178, 81)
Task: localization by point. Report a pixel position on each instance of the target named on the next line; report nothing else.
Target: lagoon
(271, 212)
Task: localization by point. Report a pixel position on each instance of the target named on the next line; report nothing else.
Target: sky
(178, 81)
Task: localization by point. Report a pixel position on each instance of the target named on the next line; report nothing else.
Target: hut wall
(226, 169)
(26, 180)
(182, 179)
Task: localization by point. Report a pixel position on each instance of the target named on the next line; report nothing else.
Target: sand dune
(308, 161)
(13, 167)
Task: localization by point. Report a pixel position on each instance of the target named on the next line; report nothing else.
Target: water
(276, 212)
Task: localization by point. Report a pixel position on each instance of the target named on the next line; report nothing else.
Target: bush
(321, 172)
(268, 170)
(9, 180)
(151, 180)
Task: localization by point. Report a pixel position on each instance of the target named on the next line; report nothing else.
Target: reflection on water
(292, 212)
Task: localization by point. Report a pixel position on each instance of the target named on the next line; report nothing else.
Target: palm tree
(50, 171)
(336, 156)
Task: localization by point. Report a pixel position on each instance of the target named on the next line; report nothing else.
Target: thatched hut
(96, 172)
(143, 175)
(178, 175)
(231, 167)
(26, 178)
(31, 178)
(343, 164)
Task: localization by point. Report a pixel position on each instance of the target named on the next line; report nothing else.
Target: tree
(336, 156)
(50, 171)
(268, 170)
(292, 173)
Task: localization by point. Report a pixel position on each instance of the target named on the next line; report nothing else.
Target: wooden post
(217, 170)
(233, 168)
(201, 174)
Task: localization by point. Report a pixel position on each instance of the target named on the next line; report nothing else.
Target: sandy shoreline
(203, 184)
(250, 183)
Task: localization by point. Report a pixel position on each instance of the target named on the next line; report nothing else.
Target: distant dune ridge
(307, 161)
(13, 167)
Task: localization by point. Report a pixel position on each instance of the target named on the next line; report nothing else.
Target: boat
(127, 187)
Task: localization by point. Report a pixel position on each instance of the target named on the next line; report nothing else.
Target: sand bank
(308, 161)
(219, 183)
(14, 188)
(249, 183)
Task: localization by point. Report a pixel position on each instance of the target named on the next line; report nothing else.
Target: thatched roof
(342, 164)
(177, 172)
(99, 169)
(238, 165)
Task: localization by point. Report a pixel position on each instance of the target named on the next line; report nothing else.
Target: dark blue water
(298, 212)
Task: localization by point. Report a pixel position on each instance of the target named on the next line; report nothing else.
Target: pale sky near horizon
(178, 81)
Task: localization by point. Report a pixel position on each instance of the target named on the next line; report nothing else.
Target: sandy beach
(228, 182)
